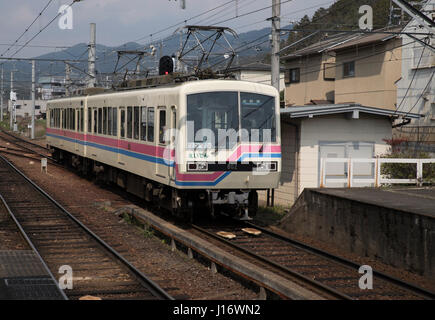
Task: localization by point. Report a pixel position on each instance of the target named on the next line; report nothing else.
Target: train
(191, 147)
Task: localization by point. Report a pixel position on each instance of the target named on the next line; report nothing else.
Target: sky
(121, 21)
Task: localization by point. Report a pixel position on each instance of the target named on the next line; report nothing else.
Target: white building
(24, 107)
(416, 88)
(310, 133)
(256, 72)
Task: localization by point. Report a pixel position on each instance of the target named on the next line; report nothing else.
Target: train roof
(185, 87)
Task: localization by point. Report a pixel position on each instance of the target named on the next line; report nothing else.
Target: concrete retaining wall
(401, 239)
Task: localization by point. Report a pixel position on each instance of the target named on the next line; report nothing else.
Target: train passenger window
(105, 120)
(109, 120)
(78, 119)
(51, 119)
(162, 125)
(129, 121)
(67, 120)
(100, 120)
(136, 123)
(150, 125)
(143, 124)
(122, 124)
(82, 116)
(95, 120)
(73, 119)
(89, 120)
(115, 122)
(64, 118)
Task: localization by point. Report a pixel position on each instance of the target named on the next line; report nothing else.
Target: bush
(398, 149)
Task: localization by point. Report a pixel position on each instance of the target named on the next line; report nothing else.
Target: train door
(122, 133)
(173, 126)
(161, 170)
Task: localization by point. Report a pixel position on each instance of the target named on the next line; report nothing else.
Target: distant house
(256, 72)
(24, 108)
(348, 68)
(416, 87)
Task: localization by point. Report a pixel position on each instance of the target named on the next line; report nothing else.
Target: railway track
(336, 277)
(320, 270)
(60, 239)
(24, 144)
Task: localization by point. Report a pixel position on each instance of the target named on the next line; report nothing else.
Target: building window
(293, 75)
(349, 69)
(329, 71)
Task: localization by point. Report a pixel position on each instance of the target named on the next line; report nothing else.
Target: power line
(41, 30)
(422, 93)
(412, 80)
(185, 21)
(27, 29)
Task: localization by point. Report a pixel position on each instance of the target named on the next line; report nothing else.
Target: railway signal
(166, 65)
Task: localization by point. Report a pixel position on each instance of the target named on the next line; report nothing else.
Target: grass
(271, 215)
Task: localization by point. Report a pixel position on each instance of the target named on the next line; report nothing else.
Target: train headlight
(197, 166)
(266, 166)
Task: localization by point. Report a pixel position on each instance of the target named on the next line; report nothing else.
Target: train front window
(258, 117)
(210, 115)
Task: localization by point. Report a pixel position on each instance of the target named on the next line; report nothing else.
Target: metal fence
(350, 178)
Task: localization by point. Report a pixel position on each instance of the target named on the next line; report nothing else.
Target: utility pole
(32, 135)
(67, 79)
(1, 97)
(12, 111)
(275, 70)
(91, 57)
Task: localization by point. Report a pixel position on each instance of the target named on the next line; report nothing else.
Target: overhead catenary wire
(27, 29)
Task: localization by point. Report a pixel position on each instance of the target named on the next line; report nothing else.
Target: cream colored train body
(208, 143)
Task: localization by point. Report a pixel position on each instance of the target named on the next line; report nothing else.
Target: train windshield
(258, 117)
(213, 119)
(208, 115)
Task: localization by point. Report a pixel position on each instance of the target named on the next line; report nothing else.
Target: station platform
(23, 277)
(418, 200)
(395, 226)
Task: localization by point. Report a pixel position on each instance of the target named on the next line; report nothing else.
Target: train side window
(67, 116)
(73, 119)
(129, 121)
(150, 124)
(136, 123)
(143, 124)
(104, 120)
(162, 125)
(100, 120)
(122, 123)
(109, 121)
(77, 113)
(89, 120)
(115, 122)
(95, 120)
(82, 120)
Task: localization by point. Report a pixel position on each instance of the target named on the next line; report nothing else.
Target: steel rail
(406, 285)
(32, 246)
(149, 284)
(301, 277)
